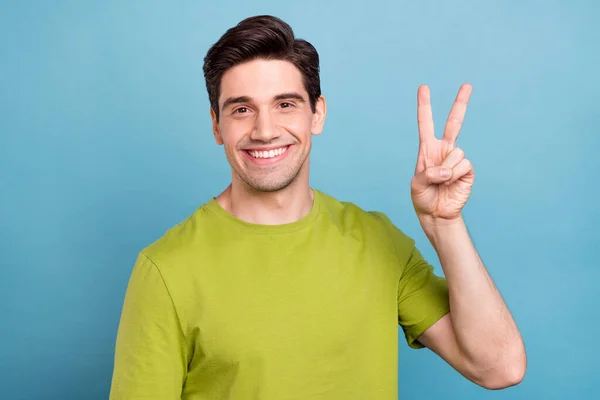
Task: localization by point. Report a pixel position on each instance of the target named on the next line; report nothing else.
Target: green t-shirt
(219, 308)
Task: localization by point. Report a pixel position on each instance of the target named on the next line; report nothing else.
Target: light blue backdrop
(105, 143)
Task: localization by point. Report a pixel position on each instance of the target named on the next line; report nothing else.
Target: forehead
(261, 80)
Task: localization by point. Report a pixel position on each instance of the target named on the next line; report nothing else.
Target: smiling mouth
(267, 154)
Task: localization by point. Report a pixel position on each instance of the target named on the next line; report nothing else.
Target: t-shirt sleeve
(422, 298)
(151, 352)
(422, 295)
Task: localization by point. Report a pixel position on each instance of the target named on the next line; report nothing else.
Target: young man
(274, 290)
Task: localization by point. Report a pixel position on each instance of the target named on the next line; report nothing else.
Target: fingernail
(445, 173)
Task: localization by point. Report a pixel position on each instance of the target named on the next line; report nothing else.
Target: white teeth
(268, 154)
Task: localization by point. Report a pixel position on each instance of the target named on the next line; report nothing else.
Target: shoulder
(374, 224)
(181, 240)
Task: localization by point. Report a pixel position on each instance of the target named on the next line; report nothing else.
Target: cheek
(232, 132)
(297, 124)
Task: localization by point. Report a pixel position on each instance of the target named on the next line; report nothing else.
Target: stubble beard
(268, 182)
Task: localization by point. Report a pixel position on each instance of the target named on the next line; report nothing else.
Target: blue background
(105, 143)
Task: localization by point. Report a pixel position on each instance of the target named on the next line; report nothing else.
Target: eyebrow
(246, 99)
(235, 100)
(290, 96)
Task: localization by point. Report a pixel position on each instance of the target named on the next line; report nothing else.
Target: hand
(443, 176)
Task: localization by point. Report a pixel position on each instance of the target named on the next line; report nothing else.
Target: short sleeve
(422, 295)
(422, 298)
(151, 352)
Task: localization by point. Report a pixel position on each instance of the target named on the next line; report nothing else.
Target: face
(266, 123)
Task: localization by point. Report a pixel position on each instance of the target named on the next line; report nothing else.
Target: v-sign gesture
(443, 176)
(478, 337)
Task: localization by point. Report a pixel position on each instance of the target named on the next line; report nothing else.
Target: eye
(241, 110)
(286, 105)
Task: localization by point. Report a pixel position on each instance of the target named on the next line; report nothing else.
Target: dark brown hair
(261, 37)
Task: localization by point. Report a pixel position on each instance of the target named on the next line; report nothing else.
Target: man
(274, 290)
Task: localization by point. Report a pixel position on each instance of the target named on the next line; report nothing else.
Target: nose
(265, 128)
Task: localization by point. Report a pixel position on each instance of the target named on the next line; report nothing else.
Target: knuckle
(467, 163)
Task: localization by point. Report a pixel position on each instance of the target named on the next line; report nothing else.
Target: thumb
(431, 176)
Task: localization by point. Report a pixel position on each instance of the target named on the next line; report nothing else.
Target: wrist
(439, 230)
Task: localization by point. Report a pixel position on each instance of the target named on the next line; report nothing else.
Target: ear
(215, 128)
(319, 116)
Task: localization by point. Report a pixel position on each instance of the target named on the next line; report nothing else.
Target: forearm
(485, 330)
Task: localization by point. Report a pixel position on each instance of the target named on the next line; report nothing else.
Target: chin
(269, 187)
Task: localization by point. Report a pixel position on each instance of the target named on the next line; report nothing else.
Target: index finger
(457, 114)
(424, 114)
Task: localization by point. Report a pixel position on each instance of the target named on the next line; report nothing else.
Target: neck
(268, 208)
